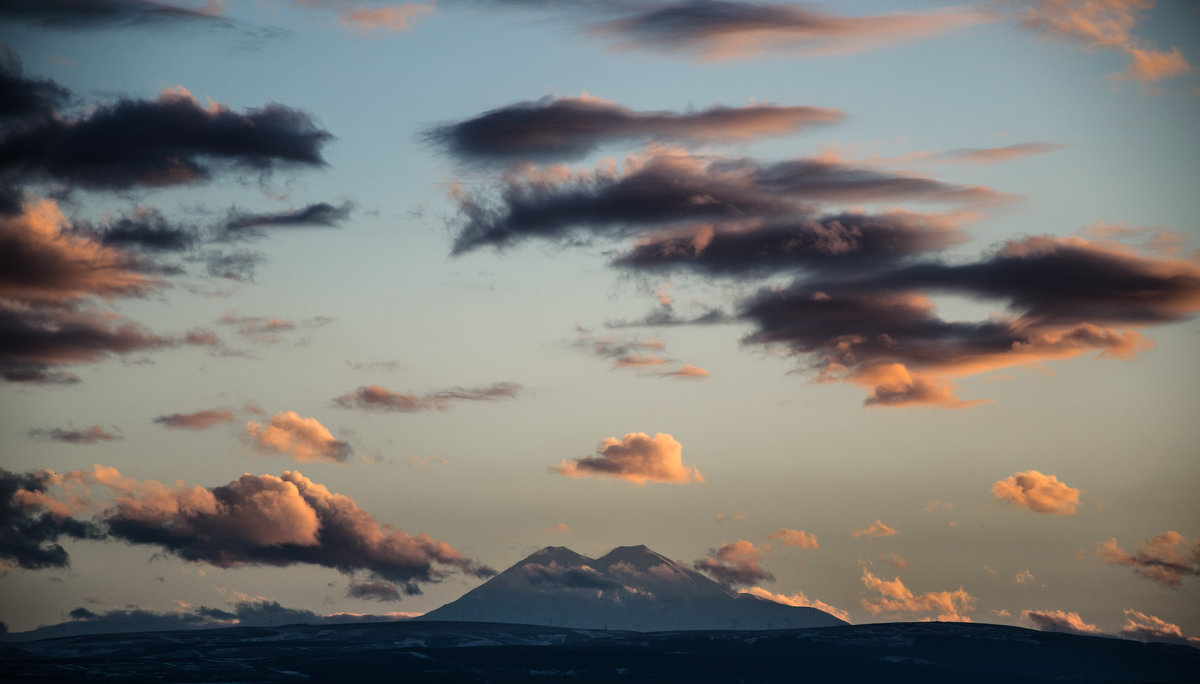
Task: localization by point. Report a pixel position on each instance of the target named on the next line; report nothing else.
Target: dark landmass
(413, 651)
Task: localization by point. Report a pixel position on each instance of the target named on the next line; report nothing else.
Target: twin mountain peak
(629, 588)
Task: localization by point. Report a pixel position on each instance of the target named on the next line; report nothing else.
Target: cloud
(321, 214)
(935, 505)
(567, 577)
(875, 529)
(1164, 558)
(1037, 492)
(712, 30)
(369, 19)
(838, 242)
(147, 230)
(1143, 627)
(200, 420)
(571, 127)
(895, 560)
(1058, 621)
(96, 14)
(1105, 25)
(275, 521)
(992, 155)
(378, 590)
(171, 140)
(376, 398)
(304, 439)
(26, 98)
(556, 528)
(31, 522)
(636, 457)
(686, 371)
(1024, 577)
(797, 538)
(735, 563)
(671, 188)
(269, 329)
(895, 598)
(798, 599)
(89, 435)
(880, 330)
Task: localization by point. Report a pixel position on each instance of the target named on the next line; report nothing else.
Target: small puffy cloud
(304, 439)
(377, 590)
(1037, 492)
(895, 598)
(1024, 577)
(796, 538)
(895, 560)
(735, 563)
(200, 420)
(636, 457)
(798, 599)
(90, 435)
(1143, 627)
(557, 528)
(1164, 558)
(936, 505)
(1058, 621)
(377, 398)
(875, 529)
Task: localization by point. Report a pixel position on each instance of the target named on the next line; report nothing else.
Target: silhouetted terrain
(475, 652)
(630, 587)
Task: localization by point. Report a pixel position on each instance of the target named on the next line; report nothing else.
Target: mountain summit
(629, 588)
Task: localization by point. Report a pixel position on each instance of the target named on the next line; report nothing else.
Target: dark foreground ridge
(927, 652)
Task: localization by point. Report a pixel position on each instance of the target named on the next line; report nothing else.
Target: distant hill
(409, 651)
(630, 588)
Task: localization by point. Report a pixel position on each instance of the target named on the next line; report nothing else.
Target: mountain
(630, 588)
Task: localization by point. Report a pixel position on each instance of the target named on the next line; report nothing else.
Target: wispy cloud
(1164, 558)
(376, 398)
(90, 435)
(797, 538)
(199, 420)
(1058, 621)
(735, 563)
(875, 529)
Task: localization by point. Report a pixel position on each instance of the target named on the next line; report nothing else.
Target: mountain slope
(630, 588)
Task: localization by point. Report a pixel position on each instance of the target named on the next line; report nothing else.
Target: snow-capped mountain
(630, 588)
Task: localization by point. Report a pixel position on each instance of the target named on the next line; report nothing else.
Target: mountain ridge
(630, 588)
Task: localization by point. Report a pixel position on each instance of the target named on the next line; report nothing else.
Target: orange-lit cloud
(376, 398)
(557, 528)
(394, 18)
(636, 457)
(992, 155)
(1106, 25)
(875, 529)
(687, 371)
(1037, 492)
(1164, 558)
(735, 563)
(800, 600)
(895, 598)
(727, 31)
(304, 439)
(1143, 627)
(1024, 577)
(200, 420)
(1058, 621)
(895, 560)
(796, 538)
(935, 505)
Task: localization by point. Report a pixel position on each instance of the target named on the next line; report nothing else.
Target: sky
(338, 307)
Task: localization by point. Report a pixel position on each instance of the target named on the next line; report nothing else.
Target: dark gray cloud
(171, 140)
(668, 190)
(735, 563)
(91, 435)
(569, 128)
(376, 398)
(556, 576)
(29, 532)
(25, 98)
(380, 590)
(321, 214)
(200, 420)
(844, 242)
(146, 229)
(96, 14)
